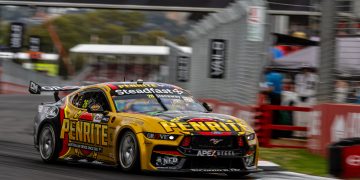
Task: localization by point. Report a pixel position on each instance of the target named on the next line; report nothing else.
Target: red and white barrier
(331, 123)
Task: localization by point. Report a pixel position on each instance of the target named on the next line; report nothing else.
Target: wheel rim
(47, 143)
(127, 151)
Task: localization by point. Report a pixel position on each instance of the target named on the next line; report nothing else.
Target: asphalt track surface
(20, 160)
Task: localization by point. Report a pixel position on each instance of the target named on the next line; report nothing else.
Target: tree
(108, 26)
(75, 29)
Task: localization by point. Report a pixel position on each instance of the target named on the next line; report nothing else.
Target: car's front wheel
(47, 144)
(129, 152)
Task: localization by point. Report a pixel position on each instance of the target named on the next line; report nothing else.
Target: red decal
(65, 141)
(176, 153)
(86, 116)
(113, 87)
(217, 133)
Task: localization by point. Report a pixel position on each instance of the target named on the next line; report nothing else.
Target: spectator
(273, 92)
(341, 91)
(305, 86)
(274, 85)
(289, 98)
(357, 93)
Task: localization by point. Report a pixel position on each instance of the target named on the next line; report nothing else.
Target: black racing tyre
(237, 174)
(128, 152)
(48, 145)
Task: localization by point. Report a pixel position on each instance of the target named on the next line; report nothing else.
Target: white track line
(267, 164)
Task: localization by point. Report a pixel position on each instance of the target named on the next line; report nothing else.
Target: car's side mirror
(207, 107)
(95, 108)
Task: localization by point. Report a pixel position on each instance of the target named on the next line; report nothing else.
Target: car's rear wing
(37, 89)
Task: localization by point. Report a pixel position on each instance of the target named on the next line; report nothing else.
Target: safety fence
(325, 123)
(260, 118)
(266, 126)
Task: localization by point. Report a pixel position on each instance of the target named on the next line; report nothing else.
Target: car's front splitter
(230, 170)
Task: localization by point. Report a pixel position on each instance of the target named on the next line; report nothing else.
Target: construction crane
(63, 54)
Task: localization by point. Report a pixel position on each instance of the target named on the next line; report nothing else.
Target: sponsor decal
(255, 23)
(121, 92)
(215, 141)
(98, 118)
(51, 112)
(344, 126)
(58, 88)
(211, 152)
(188, 99)
(166, 160)
(48, 112)
(202, 126)
(16, 35)
(95, 107)
(216, 170)
(138, 86)
(34, 88)
(167, 96)
(34, 43)
(183, 69)
(353, 160)
(338, 129)
(86, 147)
(217, 58)
(105, 119)
(85, 132)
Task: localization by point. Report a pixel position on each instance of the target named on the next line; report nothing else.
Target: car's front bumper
(166, 157)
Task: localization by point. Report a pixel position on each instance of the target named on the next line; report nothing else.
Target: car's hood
(184, 116)
(187, 122)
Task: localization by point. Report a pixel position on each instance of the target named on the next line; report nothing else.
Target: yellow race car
(141, 126)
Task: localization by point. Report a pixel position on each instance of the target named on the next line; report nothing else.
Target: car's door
(85, 126)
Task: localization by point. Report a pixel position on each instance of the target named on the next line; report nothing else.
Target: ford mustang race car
(141, 126)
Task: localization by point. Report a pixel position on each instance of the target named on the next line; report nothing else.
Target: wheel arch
(119, 134)
(55, 123)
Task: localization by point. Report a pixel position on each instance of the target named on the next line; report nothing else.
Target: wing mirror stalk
(207, 107)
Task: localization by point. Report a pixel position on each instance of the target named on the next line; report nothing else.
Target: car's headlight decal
(250, 137)
(170, 137)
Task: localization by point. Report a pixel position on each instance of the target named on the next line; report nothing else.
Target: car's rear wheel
(48, 144)
(129, 152)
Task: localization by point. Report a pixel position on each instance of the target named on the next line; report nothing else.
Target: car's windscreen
(150, 101)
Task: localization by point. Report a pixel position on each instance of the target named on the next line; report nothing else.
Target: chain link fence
(340, 52)
(229, 51)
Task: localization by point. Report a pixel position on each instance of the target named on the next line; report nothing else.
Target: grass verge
(297, 160)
